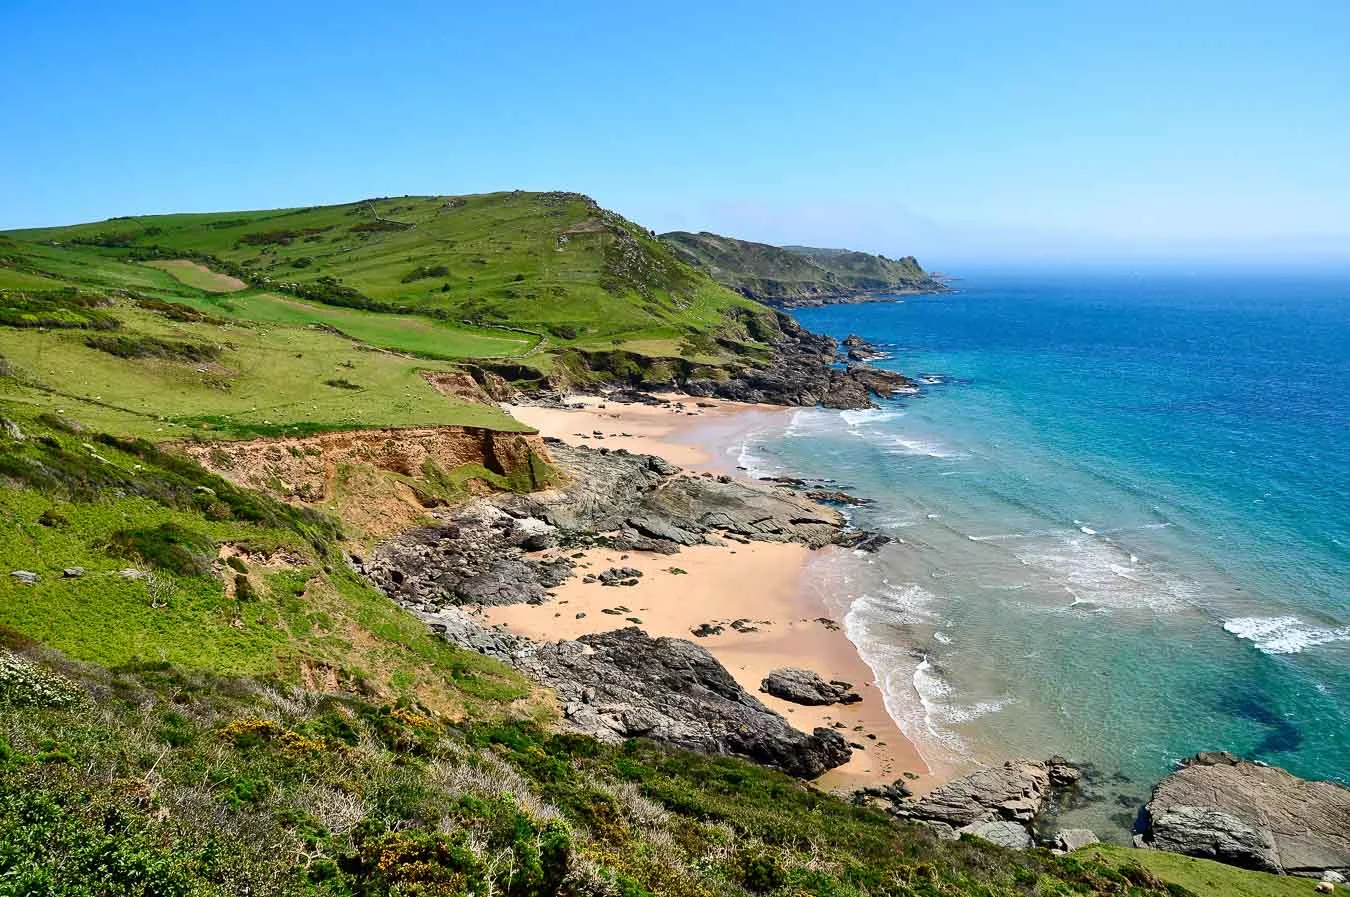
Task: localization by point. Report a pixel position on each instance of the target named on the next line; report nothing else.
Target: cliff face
(380, 481)
(793, 276)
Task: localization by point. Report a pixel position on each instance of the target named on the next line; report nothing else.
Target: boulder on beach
(807, 688)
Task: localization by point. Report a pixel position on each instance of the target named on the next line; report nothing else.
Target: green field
(552, 263)
(414, 334)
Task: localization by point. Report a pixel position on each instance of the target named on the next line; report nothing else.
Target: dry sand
(759, 583)
(697, 435)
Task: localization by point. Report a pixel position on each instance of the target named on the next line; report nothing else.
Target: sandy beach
(700, 434)
(758, 586)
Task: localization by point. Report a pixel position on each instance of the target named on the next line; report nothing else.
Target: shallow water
(1123, 522)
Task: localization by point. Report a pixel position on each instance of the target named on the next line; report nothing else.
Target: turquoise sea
(1122, 513)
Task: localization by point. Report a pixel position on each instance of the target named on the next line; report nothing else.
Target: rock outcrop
(802, 372)
(478, 556)
(1250, 815)
(1015, 791)
(805, 687)
(625, 684)
(480, 553)
(1000, 804)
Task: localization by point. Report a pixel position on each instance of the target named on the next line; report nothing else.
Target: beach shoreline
(759, 586)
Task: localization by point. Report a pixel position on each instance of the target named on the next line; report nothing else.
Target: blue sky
(966, 133)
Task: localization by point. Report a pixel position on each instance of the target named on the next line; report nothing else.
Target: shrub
(243, 589)
(25, 684)
(168, 546)
(424, 271)
(64, 308)
(139, 346)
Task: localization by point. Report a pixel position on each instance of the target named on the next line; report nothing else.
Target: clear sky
(961, 132)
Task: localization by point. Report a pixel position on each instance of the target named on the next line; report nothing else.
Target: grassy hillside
(1204, 878)
(553, 264)
(797, 274)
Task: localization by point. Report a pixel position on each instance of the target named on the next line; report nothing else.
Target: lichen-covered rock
(1250, 815)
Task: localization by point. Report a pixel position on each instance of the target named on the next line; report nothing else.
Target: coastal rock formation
(1002, 832)
(625, 684)
(855, 348)
(648, 504)
(1245, 814)
(802, 373)
(997, 803)
(477, 557)
(1015, 791)
(806, 687)
(1071, 839)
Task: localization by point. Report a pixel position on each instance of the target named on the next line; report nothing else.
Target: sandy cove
(758, 582)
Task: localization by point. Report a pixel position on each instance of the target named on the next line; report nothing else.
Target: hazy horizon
(1140, 136)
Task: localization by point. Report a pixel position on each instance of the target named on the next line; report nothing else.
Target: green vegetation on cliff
(798, 275)
(529, 268)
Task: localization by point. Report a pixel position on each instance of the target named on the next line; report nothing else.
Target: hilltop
(553, 267)
(793, 276)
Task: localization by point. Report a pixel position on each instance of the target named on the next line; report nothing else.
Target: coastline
(759, 582)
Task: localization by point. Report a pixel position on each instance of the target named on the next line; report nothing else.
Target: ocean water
(1122, 513)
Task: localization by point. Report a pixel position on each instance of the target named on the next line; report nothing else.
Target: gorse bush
(63, 308)
(141, 346)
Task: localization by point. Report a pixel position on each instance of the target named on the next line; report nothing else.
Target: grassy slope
(1204, 878)
(190, 785)
(78, 499)
(787, 272)
(553, 263)
(271, 373)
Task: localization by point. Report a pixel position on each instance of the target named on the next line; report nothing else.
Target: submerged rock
(1250, 815)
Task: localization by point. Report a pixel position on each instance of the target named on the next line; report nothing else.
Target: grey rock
(73, 572)
(11, 429)
(533, 534)
(1071, 839)
(943, 831)
(674, 692)
(1250, 815)
(1002, 832)
(27, 577)
(806, 687)
(1014, 791)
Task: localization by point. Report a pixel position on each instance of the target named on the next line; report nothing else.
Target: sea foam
(1284, 635)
